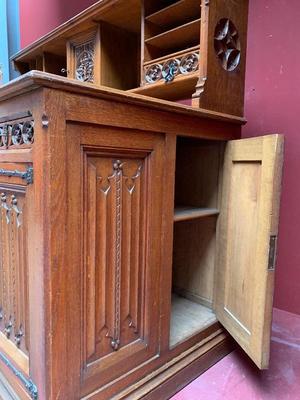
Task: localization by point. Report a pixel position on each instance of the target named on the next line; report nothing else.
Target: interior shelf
(181, 11)
(188, 213)
(181, 88)
(188, 318)
(183, 35)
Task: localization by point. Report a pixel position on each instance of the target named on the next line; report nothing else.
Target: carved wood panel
(13, 268)
(120, 265)
(114, 253)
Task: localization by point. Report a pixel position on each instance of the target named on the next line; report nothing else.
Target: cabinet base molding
(163, 382)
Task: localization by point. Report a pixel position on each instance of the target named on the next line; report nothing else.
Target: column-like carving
(114, 221)
(119, 179)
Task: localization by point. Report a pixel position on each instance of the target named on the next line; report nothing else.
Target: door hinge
(27, 383)
(272, 252)
(26, 175)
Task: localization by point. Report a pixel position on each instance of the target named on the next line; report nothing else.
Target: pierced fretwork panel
(13, 267)
(115, 238)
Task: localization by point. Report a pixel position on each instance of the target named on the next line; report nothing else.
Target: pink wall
(38, 17)
(272, 105)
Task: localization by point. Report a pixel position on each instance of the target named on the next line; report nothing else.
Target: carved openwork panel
(227, 44)
(84, 59)
(169, 69)
(115, 237)
(16, 131)
(13, 267)
(82, 56)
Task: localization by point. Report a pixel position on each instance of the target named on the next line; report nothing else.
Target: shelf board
(188, 213)
(187, 319)
(181, 36)
(194, 49)
(181, 11)
(182, 87)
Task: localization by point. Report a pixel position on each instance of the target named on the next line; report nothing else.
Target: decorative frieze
(16, 134)
(171, 68)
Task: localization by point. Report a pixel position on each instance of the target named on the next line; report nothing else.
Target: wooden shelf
(182, 87)
(187, 319)
(188, 213)
(184, 35)
(181, 11)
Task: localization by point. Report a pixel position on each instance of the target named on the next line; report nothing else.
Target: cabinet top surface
(36, 79)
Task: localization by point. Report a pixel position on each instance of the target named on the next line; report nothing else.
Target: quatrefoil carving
(227, 44)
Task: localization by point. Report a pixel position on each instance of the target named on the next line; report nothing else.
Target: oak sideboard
(138, 237)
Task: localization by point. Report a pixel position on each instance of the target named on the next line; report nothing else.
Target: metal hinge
(26, 175)
(27, 383)
(272, 252)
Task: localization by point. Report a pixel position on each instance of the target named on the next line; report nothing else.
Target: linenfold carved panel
(13, 267)
(115, 200)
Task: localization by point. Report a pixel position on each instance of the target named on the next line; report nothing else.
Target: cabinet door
(121, 218)
(247, 242)
(14, 276)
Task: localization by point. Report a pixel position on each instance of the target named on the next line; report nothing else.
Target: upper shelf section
(171, 26)
(170, 49)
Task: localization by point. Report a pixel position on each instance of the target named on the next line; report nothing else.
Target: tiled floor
(235, 377)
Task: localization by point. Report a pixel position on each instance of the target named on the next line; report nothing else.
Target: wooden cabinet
(137, 235)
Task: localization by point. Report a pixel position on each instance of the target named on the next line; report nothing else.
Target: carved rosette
(16, 134)
(84, 61)
(227, 44)
(189, 63)
(153, 73)
(171, 68)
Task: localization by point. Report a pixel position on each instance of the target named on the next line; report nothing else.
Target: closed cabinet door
(15, 197)
(247, 237)
(115, 181)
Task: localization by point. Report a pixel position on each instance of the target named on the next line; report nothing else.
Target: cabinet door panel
(14, 315)
(115, 246)
(121, 233)
(247, 235)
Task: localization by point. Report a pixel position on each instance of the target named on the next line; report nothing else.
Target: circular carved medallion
(227, 44)
(153, 73)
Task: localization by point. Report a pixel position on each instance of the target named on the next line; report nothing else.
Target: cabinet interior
(197, 198)
(170, 27)
(120, 57)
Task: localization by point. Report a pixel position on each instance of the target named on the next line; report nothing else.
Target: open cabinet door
(247, 236)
